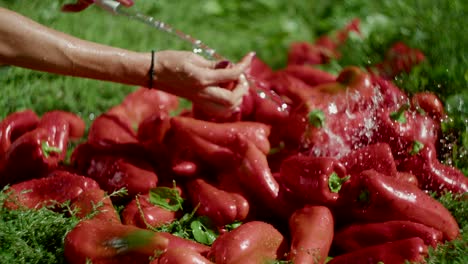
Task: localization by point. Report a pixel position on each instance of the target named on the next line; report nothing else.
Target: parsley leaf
(167, 198)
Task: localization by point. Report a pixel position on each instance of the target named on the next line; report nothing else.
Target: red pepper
(15, 125)
(256, 179)
(95, 204)
(252, 242)
(112, 132)
(401, 127)
(116, 172)
(407, 177)
(152, 130)
(57, 188)
(373, 197)
(313, 180)
(288, 87)
(359, 236)
(154, 215)
(324, 48)
(429, 103)
(192, 154)
(41, 150)
(311, 234)
(117, 128)
(309, 75)
(400, 58)
(222, 207)
(198, 143)
(259, 70)
(432, 174)
(142, 103)
(104, 242)
(333, 117)
(268, 107)
(412, 249)
(377, 156)
(303, 52)
(392, 96)
(181, 256)
(179, 242)
(223, 133)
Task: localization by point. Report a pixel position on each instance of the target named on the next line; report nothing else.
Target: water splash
(198, 46)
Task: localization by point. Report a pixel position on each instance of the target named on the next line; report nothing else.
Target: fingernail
(222, 64)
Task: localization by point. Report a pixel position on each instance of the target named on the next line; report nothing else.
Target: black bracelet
(151, 71)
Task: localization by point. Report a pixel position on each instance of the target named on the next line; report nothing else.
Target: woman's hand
(191, 76)
(83, 4)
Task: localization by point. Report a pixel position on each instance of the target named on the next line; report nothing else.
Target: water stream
(198, 46)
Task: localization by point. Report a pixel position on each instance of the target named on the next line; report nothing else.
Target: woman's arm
(27, 44)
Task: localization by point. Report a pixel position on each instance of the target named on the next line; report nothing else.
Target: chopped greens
(203, 230)
(32, 236)
(167, 198)
(189, 226)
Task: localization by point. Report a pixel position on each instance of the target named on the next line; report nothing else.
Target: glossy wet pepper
(38, 151)
(313, 180)
(373, 197)
(359, 236)
(15, 125)
(311, 230)
(252, 242)
(222, 207)
(412, 249)
(104, 242)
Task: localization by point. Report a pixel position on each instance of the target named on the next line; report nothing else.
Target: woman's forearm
(28, 44)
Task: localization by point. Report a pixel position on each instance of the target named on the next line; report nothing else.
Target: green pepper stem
(47, 149)
(335, 182)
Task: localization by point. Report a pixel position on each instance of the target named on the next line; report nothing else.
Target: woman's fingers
(241, 89)
(212, 76)
(223, 99)
(217, 95)
(201, 61)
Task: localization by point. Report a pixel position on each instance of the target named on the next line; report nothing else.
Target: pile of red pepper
(310, 166)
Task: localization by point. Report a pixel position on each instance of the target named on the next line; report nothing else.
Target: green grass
(268, 27)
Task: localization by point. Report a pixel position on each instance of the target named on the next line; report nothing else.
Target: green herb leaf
(399, 115)
(203, 230)
(232, 226)
(317, 118)
(417, 146)
(167, 198)
(335, 182)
